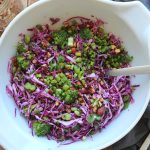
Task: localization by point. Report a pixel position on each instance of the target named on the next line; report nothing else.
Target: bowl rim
(138, 4)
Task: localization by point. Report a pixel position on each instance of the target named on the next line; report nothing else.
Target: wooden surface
(27, 2)
(1, 148)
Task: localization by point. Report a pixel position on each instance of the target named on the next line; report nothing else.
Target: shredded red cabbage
(87, 53)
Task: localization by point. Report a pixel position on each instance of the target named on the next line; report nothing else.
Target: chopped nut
(80, 99)
(45, 43)
(88, 25)
(113, 46)
(117, 50)
(84, 91)
(44, 65)
(42, 79)
(28, 52)
(48, 38)
(101, 82)
(78, 83)
(34, 61)
(101, 100)
(94, 97)
(68, 111)
(50, 91)
(66, 24)
(95, 109)
(75, 44)
(69, 76)
(67, 73)
(57, 103)
(72, 88)
(83, 104)
(101, 111)
(100, 104)
(56, 54)
(78, 45)
(48, 54)
(91, 90)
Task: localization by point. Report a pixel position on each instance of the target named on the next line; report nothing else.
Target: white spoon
(130, 71)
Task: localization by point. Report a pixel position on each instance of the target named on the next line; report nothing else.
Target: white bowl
(130, 21)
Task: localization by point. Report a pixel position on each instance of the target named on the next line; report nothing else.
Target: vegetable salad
(59, 80)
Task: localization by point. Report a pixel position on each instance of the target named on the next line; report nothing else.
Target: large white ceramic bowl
(130, 21)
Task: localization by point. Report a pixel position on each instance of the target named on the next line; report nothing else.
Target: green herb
(60, 38)
(21, 48)
(70, 96)
(61, 59)
(92, 117)
(85, 33)
(41, 129)
(22, 62)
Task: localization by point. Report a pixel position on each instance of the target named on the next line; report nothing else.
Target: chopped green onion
(78, 60)
(78, 54)
(30, 87)
(66, 87)
(74, 109)
(93, 45)
(92, 117)
(70, 41)
(126, 105)
(27, 39)
(61, 59)
(69, 51)
(66, 117)
(38, 75)
(77, 112)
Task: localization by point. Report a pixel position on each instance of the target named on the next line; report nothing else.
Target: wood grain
(27, 2)
(1, 148)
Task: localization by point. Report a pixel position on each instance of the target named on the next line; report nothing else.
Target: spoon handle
(130, 71)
